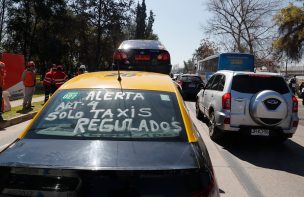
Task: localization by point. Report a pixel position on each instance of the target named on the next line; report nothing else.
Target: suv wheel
(214, 132)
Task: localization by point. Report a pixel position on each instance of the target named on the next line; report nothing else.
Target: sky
(178, 24)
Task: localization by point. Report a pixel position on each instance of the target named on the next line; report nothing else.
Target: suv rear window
(256, 83)
(111, 114)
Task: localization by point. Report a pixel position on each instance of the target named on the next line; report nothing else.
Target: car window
(256, 83)
(209, 82)
(111, 114)
(141, 44)
(191, 79)
(215, 82)
(221, 84)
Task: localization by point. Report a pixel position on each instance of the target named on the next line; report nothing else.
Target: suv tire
(214, 132)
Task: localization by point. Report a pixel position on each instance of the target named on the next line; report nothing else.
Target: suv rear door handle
(239, 99)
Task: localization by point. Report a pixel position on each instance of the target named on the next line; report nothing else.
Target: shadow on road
(288, 156)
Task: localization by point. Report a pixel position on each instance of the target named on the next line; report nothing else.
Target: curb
(17, 120)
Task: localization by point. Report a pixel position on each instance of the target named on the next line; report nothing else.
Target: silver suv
(258, 104)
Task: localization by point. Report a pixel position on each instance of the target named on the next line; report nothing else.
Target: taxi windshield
(110, 114)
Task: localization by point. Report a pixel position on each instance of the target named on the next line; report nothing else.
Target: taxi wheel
(214, 132)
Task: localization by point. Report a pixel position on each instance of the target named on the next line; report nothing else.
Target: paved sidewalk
(19, 102)
(23, 117)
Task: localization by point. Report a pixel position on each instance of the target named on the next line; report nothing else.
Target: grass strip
(17, 111)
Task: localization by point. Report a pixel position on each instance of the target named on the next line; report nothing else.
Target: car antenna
(119, 77)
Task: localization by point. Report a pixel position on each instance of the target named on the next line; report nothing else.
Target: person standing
(47, 82)
(59, 78)
(293, 84)
(29, 82)
(302, 92)
(2, 74)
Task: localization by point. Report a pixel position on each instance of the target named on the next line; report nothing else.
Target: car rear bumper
(220, 120)
(165, 68)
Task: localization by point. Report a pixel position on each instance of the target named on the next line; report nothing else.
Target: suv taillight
(294, 104)
(163, 57)
(226, 101)
(120, 55)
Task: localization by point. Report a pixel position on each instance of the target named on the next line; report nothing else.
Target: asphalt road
(243, 166)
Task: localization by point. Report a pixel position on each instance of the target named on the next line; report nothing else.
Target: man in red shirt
(47, 82)
(59, 77)
(2, 74)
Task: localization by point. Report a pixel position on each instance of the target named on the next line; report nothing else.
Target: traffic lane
(10, 134)
(227, 180)
(261, 168)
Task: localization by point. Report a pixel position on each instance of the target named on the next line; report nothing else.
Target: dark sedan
(190, 85)
(142, 55)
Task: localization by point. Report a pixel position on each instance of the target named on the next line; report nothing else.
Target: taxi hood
(100, 155)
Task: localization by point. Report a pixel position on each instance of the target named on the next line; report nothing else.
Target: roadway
(243, 166)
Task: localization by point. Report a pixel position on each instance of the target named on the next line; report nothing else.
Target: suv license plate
(191, 85)
(260, 132)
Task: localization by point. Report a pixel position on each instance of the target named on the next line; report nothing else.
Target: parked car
(174, 76)
(257, 104)
(142, 55)
(110, 135)
(190, 85)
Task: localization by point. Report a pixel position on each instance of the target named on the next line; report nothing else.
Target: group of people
(53, 79)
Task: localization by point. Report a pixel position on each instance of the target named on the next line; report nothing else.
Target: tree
(2, 17)
(149, 29)
(143, 25)
(205, 49)
(140, 20)
(290, 21)
(105, 19)
(242, 25)
(189, 66)
(70, 32)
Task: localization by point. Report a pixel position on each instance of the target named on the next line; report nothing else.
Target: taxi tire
(214, 132)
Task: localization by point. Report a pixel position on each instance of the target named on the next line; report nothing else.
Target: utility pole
(2, 18)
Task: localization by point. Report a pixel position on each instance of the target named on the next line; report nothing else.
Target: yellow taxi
(110, 134)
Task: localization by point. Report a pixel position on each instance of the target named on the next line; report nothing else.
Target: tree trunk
(2, 19)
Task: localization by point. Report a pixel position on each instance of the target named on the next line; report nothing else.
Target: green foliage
(71, 32)
(140, 20)
(144, 25)
(291, 28)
